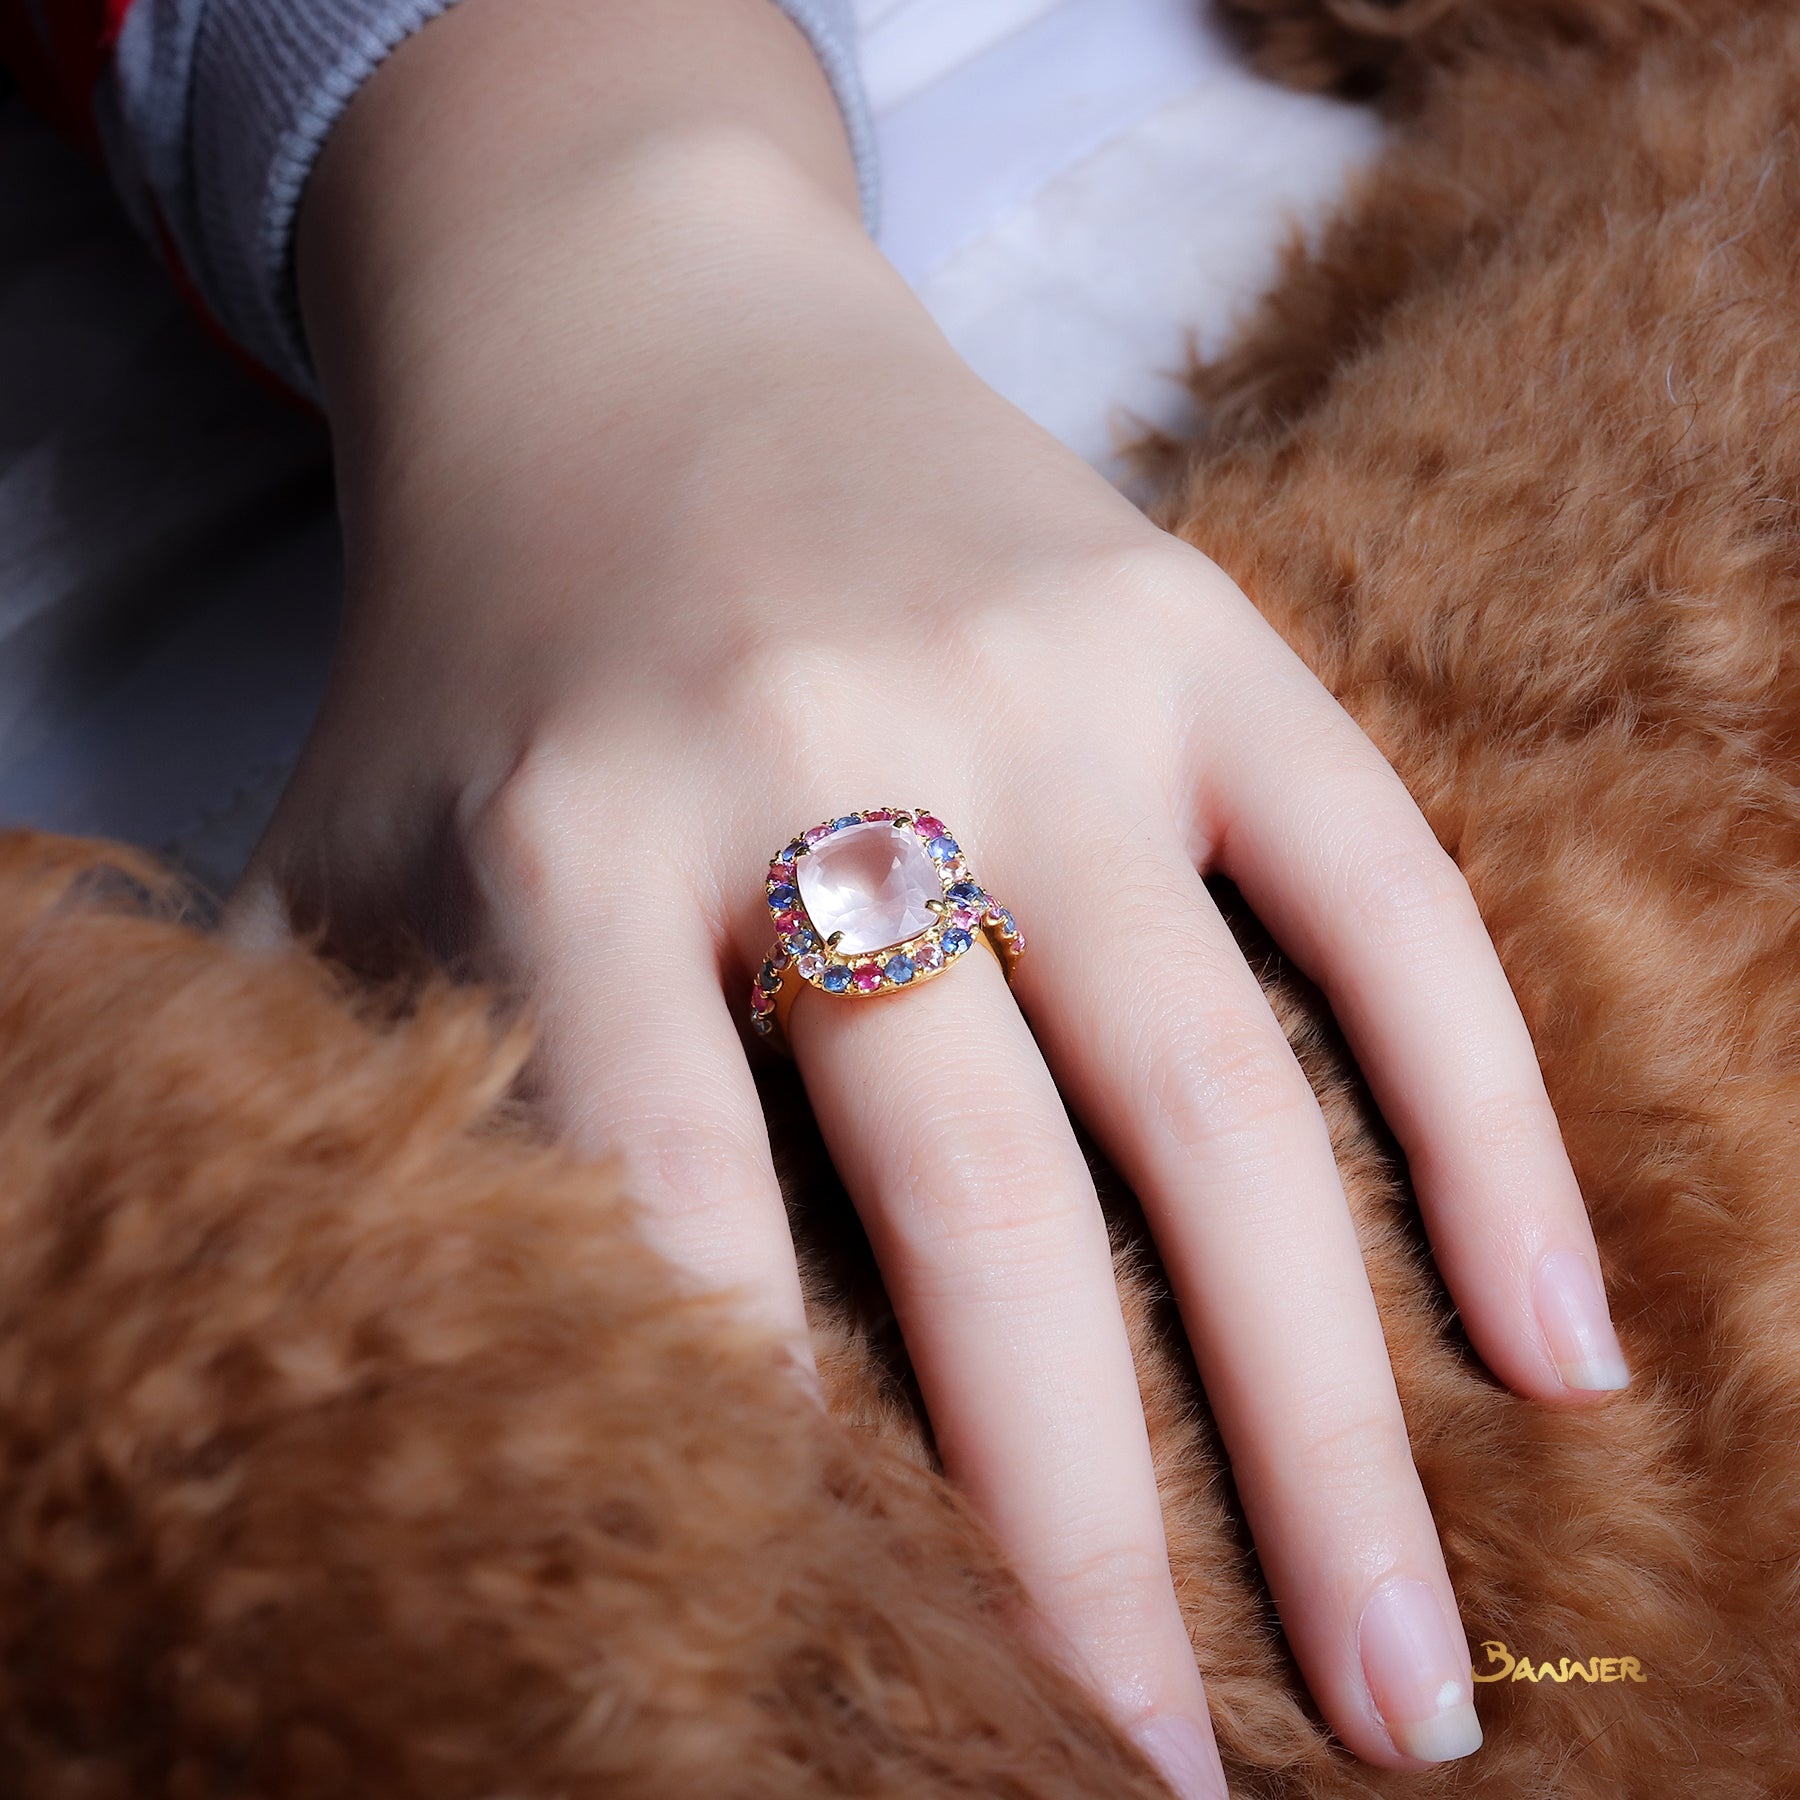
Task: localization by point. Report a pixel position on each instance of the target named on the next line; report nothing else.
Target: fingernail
(1417, 1668)
(1186, 1757)
(1571, 1307)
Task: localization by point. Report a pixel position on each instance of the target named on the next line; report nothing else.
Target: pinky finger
(667, 1089)
(636, 1058)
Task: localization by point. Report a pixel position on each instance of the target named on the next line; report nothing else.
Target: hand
(673, 526)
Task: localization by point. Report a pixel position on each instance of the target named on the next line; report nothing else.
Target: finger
(952, 1141)
(635, 1055)
(1176, 1061)
(660, 1081)
(1337, 861)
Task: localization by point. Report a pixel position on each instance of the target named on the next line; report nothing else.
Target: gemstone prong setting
(870, 903)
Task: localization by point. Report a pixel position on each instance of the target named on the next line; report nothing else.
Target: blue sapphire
(801, 941)
(836, 978)
(762, 1024)
(1006, 923)
(956, 941)
(942, 848)
(898, 970)
(848, 819)
(781, 898)
(770, 976)
(965, 890)
(791, 851)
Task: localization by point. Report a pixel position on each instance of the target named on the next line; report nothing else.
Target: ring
(868, 903)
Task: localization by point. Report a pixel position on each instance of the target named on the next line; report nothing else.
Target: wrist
(693, 308)
(690, 246)
(564, 195)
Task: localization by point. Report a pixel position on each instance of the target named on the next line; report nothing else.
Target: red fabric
(57, 71)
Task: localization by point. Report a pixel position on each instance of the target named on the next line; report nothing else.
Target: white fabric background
(1072, 186)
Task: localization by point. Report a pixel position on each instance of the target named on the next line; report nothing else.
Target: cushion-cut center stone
(871, 882)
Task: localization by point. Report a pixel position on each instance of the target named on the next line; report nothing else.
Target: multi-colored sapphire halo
(871, 902)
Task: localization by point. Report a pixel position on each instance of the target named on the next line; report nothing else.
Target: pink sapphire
(928, 827)
(965, 916)
(927, 956)
(873, 883)
(880, 812)
(816, 832)
(789, 922)
(782, 874)
(867, 977)
(759, 1001)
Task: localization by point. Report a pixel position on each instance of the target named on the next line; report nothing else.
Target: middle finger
(981, 1210)
(1177, 1062)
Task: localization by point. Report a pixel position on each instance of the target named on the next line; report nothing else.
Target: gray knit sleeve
(213, 112)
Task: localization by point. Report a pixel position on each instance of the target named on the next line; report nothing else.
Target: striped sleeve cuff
(217, 110)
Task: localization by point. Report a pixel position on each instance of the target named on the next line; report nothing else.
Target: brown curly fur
(350, 1444)
(1397, 47)
(1514, 461)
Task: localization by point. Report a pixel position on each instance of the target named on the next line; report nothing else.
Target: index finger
(1338, 862)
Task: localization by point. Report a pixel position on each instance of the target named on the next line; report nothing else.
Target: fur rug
(351, 1445)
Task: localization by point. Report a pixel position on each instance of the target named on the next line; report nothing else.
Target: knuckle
(1005, 650)
(1225, 1080)
(1348, 1445)
(513, 836)
(1177, 599)
(1124, 1582)
(993, 1208)
(1404, 892)
(782, 691)
(706, 1200)
(1505, 1127)
(699, 1167)
(1107, 597)
(793, 706)
(1167, 577)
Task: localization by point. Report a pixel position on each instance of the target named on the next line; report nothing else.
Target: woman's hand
(674, 525)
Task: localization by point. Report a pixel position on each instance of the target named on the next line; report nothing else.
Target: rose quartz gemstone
(871, 882)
